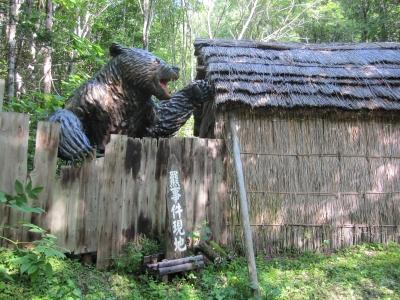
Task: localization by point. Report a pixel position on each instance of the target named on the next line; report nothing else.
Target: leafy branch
(20, 200)
(32, 258)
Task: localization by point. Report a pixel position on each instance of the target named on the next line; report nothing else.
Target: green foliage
(34, 260)
(3, 68)
(187, 129)
(201, 233)
(362, 272)
(132, 256)
(370, 271)
(19, 201)
(83, 31)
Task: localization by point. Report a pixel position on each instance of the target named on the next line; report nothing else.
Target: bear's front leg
(172, 114)
(74, 144)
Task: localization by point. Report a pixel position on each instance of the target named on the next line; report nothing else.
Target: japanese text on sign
(178, 230)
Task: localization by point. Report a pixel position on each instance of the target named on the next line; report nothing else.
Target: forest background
(49, 47)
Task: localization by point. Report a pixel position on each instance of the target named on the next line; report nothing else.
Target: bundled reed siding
(317, 182)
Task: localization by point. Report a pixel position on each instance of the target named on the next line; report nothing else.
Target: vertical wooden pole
(2, 88)
(244, 210)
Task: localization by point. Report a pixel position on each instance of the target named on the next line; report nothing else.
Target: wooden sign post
(176, 212)
(176, 248)
(2, 88)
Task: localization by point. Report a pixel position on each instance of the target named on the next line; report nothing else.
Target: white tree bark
(47, 61)
(11, 40)
(148, 12)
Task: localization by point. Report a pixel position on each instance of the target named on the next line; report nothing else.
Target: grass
(370, 271)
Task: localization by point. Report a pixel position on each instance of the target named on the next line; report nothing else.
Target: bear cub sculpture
(118, 100)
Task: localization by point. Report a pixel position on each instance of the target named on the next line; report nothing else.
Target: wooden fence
(106, 202)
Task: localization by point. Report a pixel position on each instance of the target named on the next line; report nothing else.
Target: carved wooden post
(2, 87)
(176, 211)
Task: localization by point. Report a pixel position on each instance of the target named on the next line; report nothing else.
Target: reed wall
(316, 181)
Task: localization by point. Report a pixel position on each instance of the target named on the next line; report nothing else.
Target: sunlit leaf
(28, 187)
(19, 188)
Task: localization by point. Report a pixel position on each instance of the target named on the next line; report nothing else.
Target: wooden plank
(45, 164)
(154, 204)
(57, 212)
(141, 173)
(161, 180)
(2, 89)
(201, 185)
(14, 131)
(111, 203)
(69, 190)
(131, 184)
(217, 209)
(89, 194)
(189, 184)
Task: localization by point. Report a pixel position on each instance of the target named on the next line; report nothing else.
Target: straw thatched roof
(290, 75)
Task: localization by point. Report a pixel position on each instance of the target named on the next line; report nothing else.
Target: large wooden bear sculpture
(118, 100)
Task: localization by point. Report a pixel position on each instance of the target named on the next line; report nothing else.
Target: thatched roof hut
(319, 127)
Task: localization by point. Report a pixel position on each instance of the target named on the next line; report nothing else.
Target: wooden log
(244, 210)
(175, 262)
(208, 251)
(152, 259)
(217, 248)
(2, 88)
(181, 268)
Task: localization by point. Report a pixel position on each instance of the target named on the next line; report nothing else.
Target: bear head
(144, 71)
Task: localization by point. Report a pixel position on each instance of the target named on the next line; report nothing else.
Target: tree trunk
(147, 20)
(11, 40)
(31, 46)
(47, 77)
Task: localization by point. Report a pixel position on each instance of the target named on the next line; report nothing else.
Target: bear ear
(116, 49)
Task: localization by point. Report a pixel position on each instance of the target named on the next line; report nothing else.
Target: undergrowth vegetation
(367, 271)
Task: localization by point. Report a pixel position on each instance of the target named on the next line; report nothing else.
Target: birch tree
(47, 53)
(147, 9)
(11, 41)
